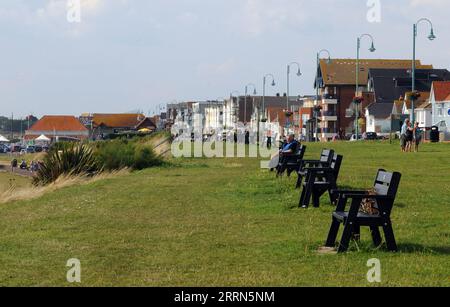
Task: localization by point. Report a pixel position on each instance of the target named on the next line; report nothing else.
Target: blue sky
(126, 55)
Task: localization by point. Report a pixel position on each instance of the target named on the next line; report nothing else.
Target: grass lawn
(226, 222)
(10, 181)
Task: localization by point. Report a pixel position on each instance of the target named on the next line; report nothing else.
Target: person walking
(418, 135)
(403, 141)
(269, 139)
(409, 137)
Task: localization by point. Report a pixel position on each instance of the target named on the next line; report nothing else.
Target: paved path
(6, 167)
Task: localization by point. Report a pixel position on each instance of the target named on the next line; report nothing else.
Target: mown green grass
(226, 222)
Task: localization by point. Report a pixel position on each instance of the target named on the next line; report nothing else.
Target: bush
(144, 157)
(115, 155)
(119, 154)
(72, 160)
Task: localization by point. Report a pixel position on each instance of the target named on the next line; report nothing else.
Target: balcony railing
(328, 130)
(329, 113)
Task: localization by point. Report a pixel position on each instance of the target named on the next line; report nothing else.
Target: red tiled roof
(118, 120)
(441, 90)
(58, 123)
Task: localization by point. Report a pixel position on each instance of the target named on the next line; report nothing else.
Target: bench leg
(316, 198)
(346, 237)
(305, 199)
(299, 181)
(376, 236)
(332, 235)
(390, 238)
(333, 197)
(289, 172)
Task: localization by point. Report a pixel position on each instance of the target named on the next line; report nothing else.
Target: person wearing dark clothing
(289, 148)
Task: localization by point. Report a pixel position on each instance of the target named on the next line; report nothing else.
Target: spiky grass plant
(71, 160)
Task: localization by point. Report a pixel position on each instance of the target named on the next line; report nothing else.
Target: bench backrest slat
(336, 164)
(301, 150)
(327, 156)
(387, 183)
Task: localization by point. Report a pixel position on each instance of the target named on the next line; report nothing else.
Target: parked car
(4, 148)
(38, 148)
(16, 148)
(371, 136)
(30, 149)
(353, 138)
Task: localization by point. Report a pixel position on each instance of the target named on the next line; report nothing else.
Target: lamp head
(254, 93)
(432, 37)
(273, 83)
(372, 48)
(299, 73)
(329, 61)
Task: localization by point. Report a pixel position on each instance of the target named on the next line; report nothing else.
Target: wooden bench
(291, 163)
(325, 160)
(319, 180)
(384, 193)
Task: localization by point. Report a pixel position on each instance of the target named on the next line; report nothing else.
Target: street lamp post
(358, 47)
(299, 73)
(288, 71)
(264, 93)
(245, 98)
(431, 37)
(317, 87)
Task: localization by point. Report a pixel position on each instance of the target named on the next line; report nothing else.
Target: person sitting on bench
(290, 146)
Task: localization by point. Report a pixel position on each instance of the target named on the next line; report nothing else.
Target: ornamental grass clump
(70, 160)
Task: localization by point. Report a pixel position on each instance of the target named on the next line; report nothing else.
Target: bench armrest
(365, 196)
(349, 192)
(318, 169)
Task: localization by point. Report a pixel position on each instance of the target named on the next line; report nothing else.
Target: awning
(3, 139)
(43, 138)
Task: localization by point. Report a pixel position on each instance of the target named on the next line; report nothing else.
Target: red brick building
(337, 83)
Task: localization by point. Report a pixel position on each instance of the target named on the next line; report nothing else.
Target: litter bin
(434, 134)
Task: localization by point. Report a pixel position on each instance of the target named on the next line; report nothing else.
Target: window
(440, 111)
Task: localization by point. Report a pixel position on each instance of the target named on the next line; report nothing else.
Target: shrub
(119, 154)
(144, 157)
(115, 155)
(72, 160)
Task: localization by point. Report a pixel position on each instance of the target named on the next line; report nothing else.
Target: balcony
(329, 101)
(328, 116)
(327, 133)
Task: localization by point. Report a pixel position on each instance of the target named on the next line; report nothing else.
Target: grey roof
(380, 110)
(389, 84)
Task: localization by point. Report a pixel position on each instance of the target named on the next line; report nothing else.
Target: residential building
(337, 87)
(58, 128)
(424, 115)
(440, 101)
(103, 124)
(378, 118)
